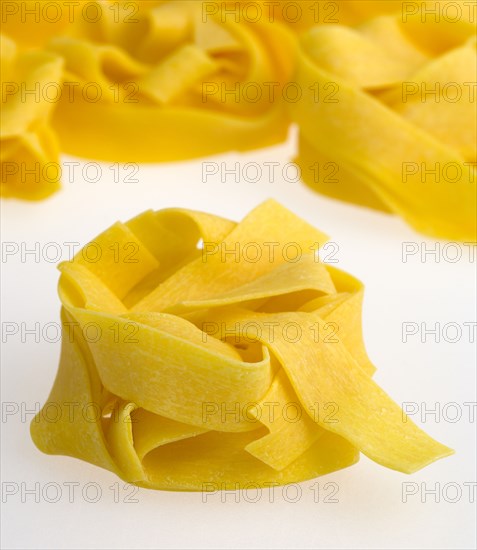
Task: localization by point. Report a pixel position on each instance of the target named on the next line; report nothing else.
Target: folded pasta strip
(207, 366)
(400, 126)
(29, 149)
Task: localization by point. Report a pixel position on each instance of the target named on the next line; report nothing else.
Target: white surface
(369, 512)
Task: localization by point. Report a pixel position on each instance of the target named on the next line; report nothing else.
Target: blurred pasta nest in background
(164, 81)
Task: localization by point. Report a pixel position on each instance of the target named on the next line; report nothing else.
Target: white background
(370, 512)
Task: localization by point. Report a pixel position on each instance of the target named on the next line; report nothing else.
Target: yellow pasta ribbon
(217, 355)
(396, 148)
(29, 150)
